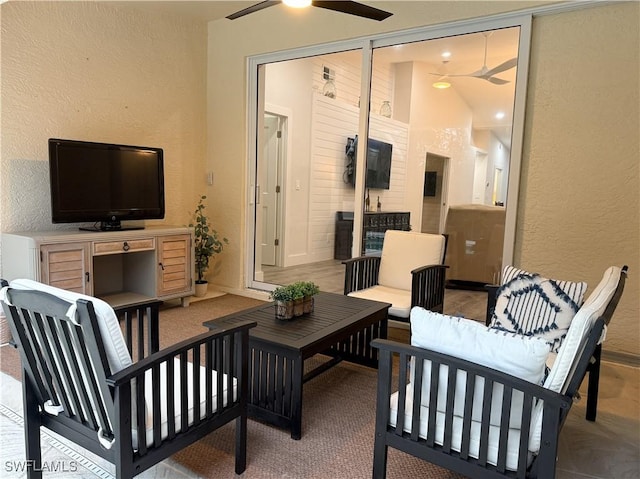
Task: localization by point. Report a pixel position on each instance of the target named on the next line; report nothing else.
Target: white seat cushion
(399, 299)
(404, 251)
(456, 435)
(148, 395)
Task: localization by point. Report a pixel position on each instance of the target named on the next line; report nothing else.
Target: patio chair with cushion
(409, 272)
(79, 379)
(479, 400)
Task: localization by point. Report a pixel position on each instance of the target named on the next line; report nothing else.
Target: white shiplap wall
(333, 122)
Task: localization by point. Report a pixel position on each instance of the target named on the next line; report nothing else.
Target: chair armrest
(361, 273)
(427, 287)
(224, 350)
(139, 368)
(492, 291)
(555, 406)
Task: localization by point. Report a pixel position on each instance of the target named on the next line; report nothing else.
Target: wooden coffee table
(339, 327)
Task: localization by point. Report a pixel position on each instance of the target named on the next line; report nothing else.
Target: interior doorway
(270, 188)
(434, 202)
(480, 183)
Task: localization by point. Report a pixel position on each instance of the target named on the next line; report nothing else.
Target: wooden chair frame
(81, 399)
(555, 410)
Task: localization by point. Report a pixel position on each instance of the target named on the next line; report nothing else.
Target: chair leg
(594, 380)
(31, 429)
(241, 444)
(380, 450)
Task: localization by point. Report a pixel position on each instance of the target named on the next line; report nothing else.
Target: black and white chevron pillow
(532, 305)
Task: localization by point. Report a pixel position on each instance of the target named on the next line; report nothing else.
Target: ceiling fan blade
(253, 8)
(353, 8)
(475, 74)
(508, 65)
(496, 81)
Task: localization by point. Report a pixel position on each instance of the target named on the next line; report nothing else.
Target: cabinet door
(174, 265)
(67, 266)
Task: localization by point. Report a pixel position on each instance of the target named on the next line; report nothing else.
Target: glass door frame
(256, 108)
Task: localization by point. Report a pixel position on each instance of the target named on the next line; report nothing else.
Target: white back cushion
(404, 251)
(515, 354)
(114, 345)
(559, 376)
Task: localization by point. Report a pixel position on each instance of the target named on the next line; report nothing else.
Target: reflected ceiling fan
(488, 74)
(351, 8)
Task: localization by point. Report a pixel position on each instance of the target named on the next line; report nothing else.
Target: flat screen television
(105, 183)
(378, 157)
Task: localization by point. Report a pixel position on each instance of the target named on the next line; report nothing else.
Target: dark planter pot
(284, 309)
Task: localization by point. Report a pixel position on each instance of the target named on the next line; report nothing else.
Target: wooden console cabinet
(121, 267)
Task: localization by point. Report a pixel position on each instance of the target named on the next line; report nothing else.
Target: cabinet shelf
(121, 267)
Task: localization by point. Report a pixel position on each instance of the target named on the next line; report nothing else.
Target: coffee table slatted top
(331, 312)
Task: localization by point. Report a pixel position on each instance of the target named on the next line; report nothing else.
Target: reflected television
(379, 154)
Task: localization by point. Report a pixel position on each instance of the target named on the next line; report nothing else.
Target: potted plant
(309, 289)
(297, 291)
(283, 297)
(206, 246)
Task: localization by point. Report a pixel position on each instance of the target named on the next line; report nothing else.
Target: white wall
(333, 122)
(498, 157)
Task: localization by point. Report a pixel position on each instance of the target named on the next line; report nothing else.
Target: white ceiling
(467, 54)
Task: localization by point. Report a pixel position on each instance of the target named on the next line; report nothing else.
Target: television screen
(379, 153)
(105, 183)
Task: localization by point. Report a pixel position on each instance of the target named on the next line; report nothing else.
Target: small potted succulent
(283, 297)
(309, 289)
(294, 299)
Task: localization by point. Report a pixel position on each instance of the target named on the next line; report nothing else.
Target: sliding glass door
(313, 186)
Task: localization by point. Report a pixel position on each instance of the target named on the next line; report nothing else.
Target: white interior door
(269, 189)
(479, 178)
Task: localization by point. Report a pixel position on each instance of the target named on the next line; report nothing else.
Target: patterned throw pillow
(532, 305)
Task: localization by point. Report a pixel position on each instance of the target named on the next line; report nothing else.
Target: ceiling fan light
(441, 84)
(297, 3)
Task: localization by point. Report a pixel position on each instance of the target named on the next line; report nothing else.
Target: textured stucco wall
(96, 72)
(579, 199)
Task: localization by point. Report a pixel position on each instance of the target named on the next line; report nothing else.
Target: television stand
(121, 267)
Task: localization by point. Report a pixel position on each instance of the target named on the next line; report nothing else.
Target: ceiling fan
(352, 8)
(488, 74)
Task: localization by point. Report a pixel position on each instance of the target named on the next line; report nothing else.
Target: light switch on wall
(210, 178)
(297, 185)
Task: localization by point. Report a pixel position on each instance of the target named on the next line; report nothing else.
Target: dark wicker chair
(440, 446)
(410, 272)
(80, 382)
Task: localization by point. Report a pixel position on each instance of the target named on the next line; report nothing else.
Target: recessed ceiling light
(441, 84)
(297, 3)
(500, 115)
(445, 54)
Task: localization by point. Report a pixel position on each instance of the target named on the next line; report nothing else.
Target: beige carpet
(337, 428)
